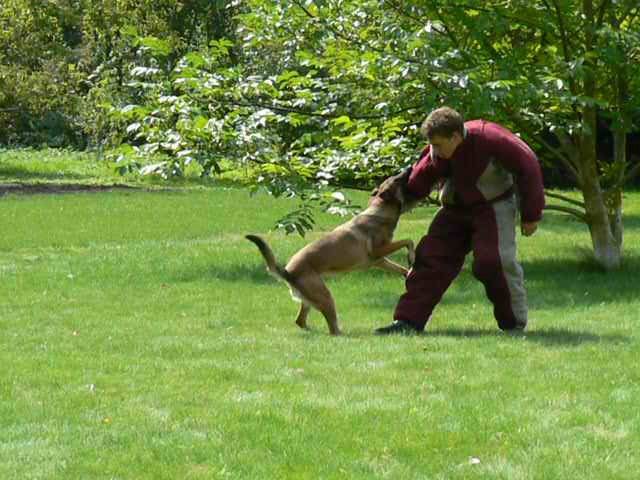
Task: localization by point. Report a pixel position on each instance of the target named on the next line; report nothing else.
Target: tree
(63, 63)
(548, 68)
(557, 66)
(37, 72)
(332, 91)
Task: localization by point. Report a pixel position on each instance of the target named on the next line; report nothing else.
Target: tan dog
(362, 242)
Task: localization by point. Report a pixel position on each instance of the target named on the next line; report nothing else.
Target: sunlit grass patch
(141, 337)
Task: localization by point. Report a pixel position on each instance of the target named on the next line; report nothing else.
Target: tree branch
(626, 14)
(456, 42)
(568, 210)
(566, 46)
(352, 40)
(417, 20)
(601, 11)
(557, 196)
(556, 152)
(284, 109)
(458, 7)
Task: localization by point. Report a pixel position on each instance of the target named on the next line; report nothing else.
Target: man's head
(444, 130)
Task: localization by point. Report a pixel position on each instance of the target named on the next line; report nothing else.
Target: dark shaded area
(55, 189)
(561, 222)
(545, 336)
(237, 273)
(23, 175)
(556, 176)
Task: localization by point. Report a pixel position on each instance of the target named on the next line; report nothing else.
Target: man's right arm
(425, 173)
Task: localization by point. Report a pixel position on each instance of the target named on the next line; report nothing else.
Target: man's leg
(496, 266)
(439, 258)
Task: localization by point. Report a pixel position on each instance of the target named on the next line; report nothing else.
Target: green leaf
(157, 46)
(195, 59)
(343, 120)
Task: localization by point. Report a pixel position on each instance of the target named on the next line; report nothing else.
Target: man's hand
(528, 228)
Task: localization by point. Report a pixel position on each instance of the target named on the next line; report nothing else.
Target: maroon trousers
(489, 231)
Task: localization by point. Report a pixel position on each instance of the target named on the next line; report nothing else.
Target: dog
(360, 243)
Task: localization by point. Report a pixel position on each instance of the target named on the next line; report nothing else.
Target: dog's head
(393, 190)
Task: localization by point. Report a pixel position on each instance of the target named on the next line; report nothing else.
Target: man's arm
(516, 156)
(425, 173)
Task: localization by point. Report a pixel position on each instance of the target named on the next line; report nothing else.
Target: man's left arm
(516, 156)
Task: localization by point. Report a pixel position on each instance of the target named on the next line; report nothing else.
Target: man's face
(444, 147)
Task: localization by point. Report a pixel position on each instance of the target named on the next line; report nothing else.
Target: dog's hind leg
(328, 309)
(316, 293)
(301, 321)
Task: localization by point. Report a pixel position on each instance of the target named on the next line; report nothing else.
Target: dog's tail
(272, 265)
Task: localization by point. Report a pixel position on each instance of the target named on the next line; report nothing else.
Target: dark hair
(442, 122)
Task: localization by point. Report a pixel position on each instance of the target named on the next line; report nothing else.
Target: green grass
(52, 167)
(141, 338)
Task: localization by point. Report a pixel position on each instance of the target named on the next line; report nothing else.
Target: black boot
(398, 327)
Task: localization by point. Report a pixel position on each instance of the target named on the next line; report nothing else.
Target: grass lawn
(141, 338)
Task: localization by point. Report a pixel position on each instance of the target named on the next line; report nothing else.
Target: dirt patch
(56, 188)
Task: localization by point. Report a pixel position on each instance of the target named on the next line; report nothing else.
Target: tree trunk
(620, 129)
(614, 196)
(606, 230)
(606, 249)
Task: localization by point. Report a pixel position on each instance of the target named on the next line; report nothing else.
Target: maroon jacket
(483, 169)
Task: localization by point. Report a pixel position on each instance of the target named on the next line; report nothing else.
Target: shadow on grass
(237, 273)
(559, 222)
(631, 221)
(23, 174)
(553, 284)
(579, 281)
(257, 273)
(548, 336)
(57, 188)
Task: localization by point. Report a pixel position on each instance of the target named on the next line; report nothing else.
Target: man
(479, 165)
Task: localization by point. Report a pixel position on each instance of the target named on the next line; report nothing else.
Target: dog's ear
(386, 190)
